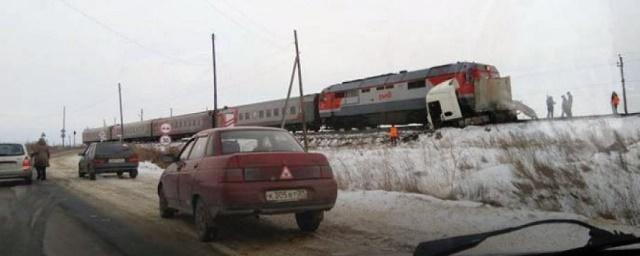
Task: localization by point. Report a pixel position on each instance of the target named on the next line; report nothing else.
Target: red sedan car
(246, 171)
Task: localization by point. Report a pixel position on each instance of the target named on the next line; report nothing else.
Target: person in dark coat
(564, 106)
(550, 105)
(40, 157)
(569, 104)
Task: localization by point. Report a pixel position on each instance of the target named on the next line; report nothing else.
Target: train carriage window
(351, 93)
(380, 88)
(365, 90)
(268, 112)
(241, 117)
(389, 87)
(416, 84)
(292, 111)
(246, 116)
(276, 112)
(261, 114)
(339, 94)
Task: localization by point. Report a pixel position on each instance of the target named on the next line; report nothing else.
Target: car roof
(111, 142)
(238, 128)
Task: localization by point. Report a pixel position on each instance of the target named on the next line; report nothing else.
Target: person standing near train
(40, 156)
(393, 134)
(564, 106)
(550, 105)
(615, 101)
(569, 105)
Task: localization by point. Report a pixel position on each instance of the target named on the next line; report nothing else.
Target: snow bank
(149, 169)
(587, 166)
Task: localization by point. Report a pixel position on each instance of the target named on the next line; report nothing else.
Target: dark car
(246, 171)
(108, 157)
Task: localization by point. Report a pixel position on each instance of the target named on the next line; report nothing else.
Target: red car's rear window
(258, 141)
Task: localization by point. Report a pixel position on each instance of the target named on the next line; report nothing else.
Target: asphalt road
(46, 219)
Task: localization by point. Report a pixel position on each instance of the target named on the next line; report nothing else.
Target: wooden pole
(304, 121)
(286, 102)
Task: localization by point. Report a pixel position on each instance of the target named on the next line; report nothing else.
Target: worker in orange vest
(615, 101)
(393, 134)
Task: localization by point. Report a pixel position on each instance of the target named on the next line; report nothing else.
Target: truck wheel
(165, 211)
(119, 174)
(309, 221)
(92, 175)
(133, 174)
(205, 228)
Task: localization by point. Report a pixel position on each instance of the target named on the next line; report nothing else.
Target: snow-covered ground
(363, 222)
(587, 166)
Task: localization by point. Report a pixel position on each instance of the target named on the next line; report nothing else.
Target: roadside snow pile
(150, 169)
(588, 166)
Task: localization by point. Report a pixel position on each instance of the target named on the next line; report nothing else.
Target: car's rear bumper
(250, 197)
(114, 168)
(17, 174)
(275, 210)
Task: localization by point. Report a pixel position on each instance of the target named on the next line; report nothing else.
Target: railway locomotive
(455, 94)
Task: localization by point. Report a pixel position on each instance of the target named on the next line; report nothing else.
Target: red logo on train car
(384, 96)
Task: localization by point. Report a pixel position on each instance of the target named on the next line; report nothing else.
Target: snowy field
(589, 167)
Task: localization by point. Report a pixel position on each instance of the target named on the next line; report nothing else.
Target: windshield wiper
(599, 240)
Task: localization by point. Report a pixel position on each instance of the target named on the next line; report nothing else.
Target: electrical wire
(239, 24)
(125, 37)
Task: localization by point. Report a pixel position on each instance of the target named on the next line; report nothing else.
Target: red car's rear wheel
(309, 221)
(205, 228)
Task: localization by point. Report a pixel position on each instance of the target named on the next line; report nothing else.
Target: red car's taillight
(326, 172)
(26, 164)
(133, 159)
(99, 161)
(233, 175)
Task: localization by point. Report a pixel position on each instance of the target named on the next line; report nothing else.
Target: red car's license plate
(286, 195)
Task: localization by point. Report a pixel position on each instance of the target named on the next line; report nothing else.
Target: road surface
(68, 215)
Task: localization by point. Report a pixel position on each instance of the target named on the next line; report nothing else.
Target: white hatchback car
(15, 162)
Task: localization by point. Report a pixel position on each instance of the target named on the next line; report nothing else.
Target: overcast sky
(73, 53)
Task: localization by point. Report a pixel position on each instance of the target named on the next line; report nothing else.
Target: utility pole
(121, 119)
(286, 102)
(64, 116)
(304, 121)
(624, 89)
(215, 79)
(170, 112)
(141, 113)
(74, 138)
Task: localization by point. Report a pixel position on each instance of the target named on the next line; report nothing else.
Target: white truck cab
(442, 103)
(492, 103)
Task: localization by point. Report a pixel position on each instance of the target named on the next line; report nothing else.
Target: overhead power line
(247, 29)
(125, 37)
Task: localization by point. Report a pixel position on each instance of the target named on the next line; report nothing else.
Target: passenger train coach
(395, 98)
